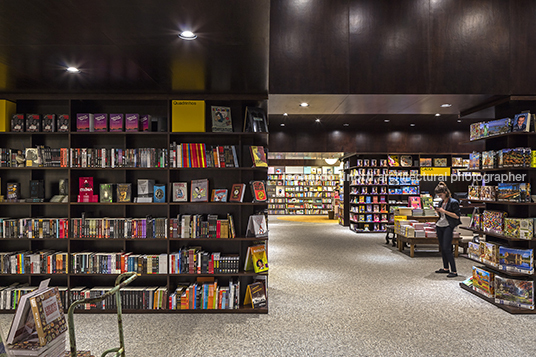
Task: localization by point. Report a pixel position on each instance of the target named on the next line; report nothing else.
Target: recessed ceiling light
(446, 105)
(285, 114)
(73, 70)
(187, 35)
(459, 121)
(438, 115)
(317, 120)
(412, 124)
(386, 120)
(282, 124)
(304, 104)
(346, 124)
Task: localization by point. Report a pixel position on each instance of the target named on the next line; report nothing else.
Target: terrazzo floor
(332, 293)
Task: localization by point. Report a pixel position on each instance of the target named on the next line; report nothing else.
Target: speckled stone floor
(333, 293)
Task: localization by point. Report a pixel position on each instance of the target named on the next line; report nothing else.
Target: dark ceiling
(131, 46)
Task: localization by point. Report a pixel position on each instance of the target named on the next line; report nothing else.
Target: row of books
(309, 206)
(497, 222)
(505, 158)
(115, 157)
(369, 218)
(523, 122)
(308, 194)
(118, 263)
(134, 228)
(10, 295)
(41, 262)
(305, 211)
(505, 291)
(508, 192)
(309, 189)
(195, 226)
(407, 161)
(369, 208)
(367, 227)
(404, 190)
(205, 295)
(198, 155)
(504, 258)
(34, 228)
(39, 156)
(194, 260)
(40, 122)
(308, 183)
(301, 177)
(139, 298)
(368, 199)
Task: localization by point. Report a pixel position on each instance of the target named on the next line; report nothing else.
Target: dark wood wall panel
(470, 46)
(454, 141)
(522, 46)
(388, 46)
(309, 46)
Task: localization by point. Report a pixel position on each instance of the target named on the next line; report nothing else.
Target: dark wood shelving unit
(508, 108)
(218, 178)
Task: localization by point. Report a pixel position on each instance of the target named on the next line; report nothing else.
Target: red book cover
(222, 156)
(258, 190)
(237, 192)
(218, 229)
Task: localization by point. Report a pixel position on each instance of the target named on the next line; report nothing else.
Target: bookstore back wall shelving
(153, 247)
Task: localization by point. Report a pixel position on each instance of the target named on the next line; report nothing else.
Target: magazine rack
(119, 351)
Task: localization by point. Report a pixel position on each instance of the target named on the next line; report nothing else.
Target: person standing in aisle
(449, 217)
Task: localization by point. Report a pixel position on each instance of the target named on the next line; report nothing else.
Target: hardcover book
(85, 186)
(255, 120)
(237, 192)
(132, 122)
(49, 123)
(199, 190)
(100, 122)
(106, 192)
(219, 195)
(425, 162)
(48, 315)
(521, 122)
(63, 123)
(258, 190)
(405, 160)
(33, 122)
(221, 119)
(258, 156)
(257, 226)
(440, 162)
(32, 157)
(145, 187)
(124, 192)
(145, 121)
(457, 162)
(18, 123)
(180, 192)
(84, 122)
(483, 281)
(159, 193)
(394, 160)
(256, 259)
(13, 190)
(255, 295)
(116, 122)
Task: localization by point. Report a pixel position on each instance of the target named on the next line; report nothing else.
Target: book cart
(166, 282)
(377, 183)
(509, 108)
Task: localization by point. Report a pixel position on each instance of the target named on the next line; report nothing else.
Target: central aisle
(332, 293)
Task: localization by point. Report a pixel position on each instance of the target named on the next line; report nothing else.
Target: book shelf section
(301, 194)
(377, 184)
(503, 273)
(157, 281)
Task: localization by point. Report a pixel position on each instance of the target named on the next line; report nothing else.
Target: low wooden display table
(423, 218)
(412, 241)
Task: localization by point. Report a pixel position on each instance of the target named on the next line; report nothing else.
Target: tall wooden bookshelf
(512, 209)
(218, 178)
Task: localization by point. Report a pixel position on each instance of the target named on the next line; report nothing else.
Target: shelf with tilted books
(117, 158)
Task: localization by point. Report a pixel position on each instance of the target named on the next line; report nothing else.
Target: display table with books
(413, 241)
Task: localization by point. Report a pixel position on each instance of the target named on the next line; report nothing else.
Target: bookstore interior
(178, 187)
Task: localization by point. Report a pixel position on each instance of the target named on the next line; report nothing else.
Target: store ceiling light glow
(386, 120)
(285, 114)
(73, 70)
(282, 124)
(438, 115)
(346, 124)
(187, 35)
(304, 105)
(446, 105)
(412, 124)
(317, 120)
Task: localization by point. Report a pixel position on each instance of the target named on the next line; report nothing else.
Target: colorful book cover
(511, 227)
(415, 202)
(199, 190)
(48, 315)
(83, 121)
(425, 162)
(100, 122)
(180, 192)
(132, 122)
(255, 295)
(394, 160)
(219, 195)
(474, 161)
(258, 156)
(492, 221)
(473, 192)
(498, 126)
(440, 162)
(473, 250)
(63, 123)
(221, 119)
(124, 192)
(258, 190)
(116, 122)
(490, 253)
(159, 194)
(521, 122)
(516, 260)
(257, 226)
(145, 122)
(483, 281)
(405, 160)
(526, 228)
(106, 193)
(514, 292)
(488, 193)
(457, 162)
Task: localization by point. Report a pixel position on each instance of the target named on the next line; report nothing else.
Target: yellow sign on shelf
(7, 109)
(435, 171)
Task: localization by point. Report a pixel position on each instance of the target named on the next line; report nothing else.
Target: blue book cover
(516, 260)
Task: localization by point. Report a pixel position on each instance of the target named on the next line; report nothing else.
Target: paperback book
(219, 195)
(256, 259)
(255, 295)
(258, 156)
(255, 120)
(221, 119)
(160, 193)
(180, 192)
(199, 190)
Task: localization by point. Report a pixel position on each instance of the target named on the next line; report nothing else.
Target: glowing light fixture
(438, 115)
(304, 105)
(412, 124)
(446, 105)
(386, 120)
(73, 70)
(282, 124)
(317, 120)
(187, 35)
(285, 114)
(346, 124)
